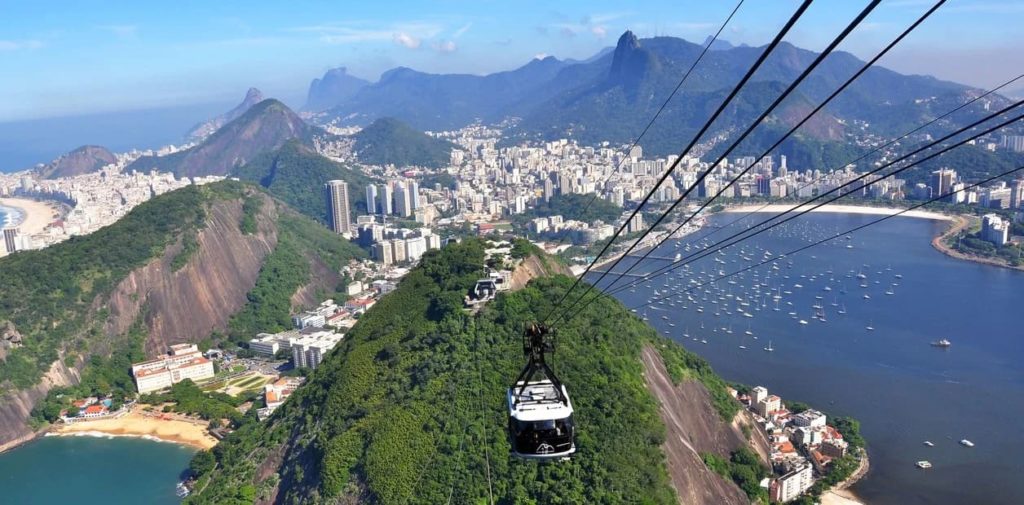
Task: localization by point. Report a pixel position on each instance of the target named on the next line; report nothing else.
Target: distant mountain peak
(630, 61)
(203, 130)
(336, 86)
(81, 160)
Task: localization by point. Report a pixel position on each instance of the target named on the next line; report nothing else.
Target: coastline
(958, 224)
(840, 494)
(844, 209)
(137, 425)
(35, 216)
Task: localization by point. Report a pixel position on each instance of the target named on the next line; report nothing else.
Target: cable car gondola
(540, 424)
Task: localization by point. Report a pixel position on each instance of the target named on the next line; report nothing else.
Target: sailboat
(769, 348)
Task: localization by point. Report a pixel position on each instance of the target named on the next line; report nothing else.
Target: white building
(810, 418)
(183, 362)
(791, 485)
(994, 229)
(269, 343)
(309, 350)
(758, 394)
(768, 405)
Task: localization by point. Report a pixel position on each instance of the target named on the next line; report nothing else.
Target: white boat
(929, 443)
(924, 465)
(803, 321)
(966, 443)
(769, 348)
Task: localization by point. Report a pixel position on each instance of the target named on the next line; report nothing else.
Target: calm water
(901, 389)
(87, 470)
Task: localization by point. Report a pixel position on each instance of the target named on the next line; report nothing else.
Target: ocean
(91, 470)
(903, 390)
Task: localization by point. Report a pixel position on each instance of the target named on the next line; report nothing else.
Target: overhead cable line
(670, 294)
(779, 142)
(664, 104)
(757, 64)
(739, 238)
(871, 152)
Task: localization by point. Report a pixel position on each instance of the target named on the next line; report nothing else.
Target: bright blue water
(87, 471)
(901, 389)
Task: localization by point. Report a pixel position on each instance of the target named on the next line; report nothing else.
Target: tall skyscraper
(11, 239)
(414, 194)
(338, 206)
(371, 199)
(942, 181)
(403, 204)
(385, 199)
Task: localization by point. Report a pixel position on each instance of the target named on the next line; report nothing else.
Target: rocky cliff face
(208, 127)
(182, 305)
(186, 305)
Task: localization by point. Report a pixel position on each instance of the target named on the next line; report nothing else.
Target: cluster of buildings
(801, 443)
(275, 394)
(183, 361)
(95, 199)
(87, 408)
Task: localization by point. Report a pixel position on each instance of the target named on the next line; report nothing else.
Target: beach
(844, 209)
(35, 216)
(136, 424)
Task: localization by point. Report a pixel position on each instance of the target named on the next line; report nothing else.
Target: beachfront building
(183, 361)
(792, 484)
(995, 230)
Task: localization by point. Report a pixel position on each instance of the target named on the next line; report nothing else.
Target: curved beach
(136, 424)
(33, 216)
(844, 209)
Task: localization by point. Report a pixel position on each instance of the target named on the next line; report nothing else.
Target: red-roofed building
(94, 411)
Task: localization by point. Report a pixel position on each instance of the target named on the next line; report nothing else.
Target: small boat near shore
(924, 465)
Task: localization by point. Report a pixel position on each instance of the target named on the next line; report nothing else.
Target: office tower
(337, 206)
(385, 197)
(942, 181)
(403, 205)
(414, 194)
(371, 199)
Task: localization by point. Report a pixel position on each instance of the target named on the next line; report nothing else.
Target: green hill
(388, 141)
(296, 174)
(411, 407)
(201, 261)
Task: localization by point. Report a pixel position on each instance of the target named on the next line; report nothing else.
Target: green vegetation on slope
(189, 399)
(388, 141)
(296, 174)
(410, 408)
(48, 294)
(743, 467)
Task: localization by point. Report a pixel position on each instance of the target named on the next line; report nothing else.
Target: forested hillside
(192, 264)
(296, 174)
(411, 407)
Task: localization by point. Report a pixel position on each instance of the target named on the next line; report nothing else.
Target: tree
(202, 463)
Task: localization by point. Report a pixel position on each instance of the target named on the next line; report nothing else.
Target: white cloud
(540, 56)
(444, 46)
(17, 45)
(599, 30)
(465, 28)
(404, 39)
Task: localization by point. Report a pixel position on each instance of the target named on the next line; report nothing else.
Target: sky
(62, 58)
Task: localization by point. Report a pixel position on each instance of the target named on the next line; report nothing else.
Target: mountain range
(611, 97)
(336, 86)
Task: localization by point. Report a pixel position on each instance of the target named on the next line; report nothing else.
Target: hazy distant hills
(334, 88)
(264, 127)
(82, 160)
(390, 141)
(611, 96)
(207, 128)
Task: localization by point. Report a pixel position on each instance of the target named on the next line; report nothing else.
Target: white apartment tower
(338, 206)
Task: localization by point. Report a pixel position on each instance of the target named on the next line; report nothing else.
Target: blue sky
(74, 57)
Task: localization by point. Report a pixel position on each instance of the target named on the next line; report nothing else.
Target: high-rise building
(385, 197)
(403, 204)
(371, 199)
(792, 484)
(414, 194)
(382, 252)
(11, 239)
(994, 229)
(338, 206)
(942, 181)
(1017, 194)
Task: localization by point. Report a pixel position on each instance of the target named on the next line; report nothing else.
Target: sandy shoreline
(35, 216)
(844, 209)
(138, 425)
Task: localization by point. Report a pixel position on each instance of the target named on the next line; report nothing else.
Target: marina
(827, 343)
